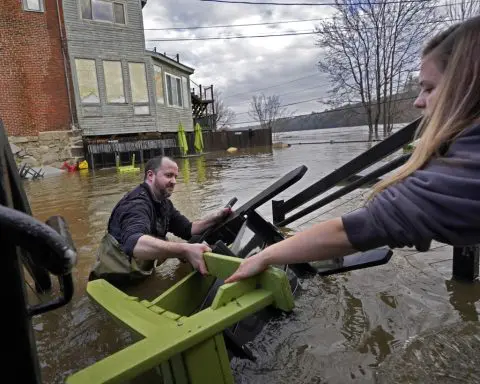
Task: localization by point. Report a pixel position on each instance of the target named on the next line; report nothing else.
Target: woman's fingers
(249, 267)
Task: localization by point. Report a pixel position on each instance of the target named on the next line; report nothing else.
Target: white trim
(41, 3)
(160, 100)
(170, 62)
(138, 103)
(105, 82)
(181, 91)
(185, 87)
(78, 82)
(92, 20)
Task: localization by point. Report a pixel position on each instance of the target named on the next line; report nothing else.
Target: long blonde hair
(456, 52)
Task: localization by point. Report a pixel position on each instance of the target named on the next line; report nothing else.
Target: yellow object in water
(127, 168)
(232, 149)
(83, 165)
(198, 144)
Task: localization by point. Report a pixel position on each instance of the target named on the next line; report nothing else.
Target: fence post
(465, 262)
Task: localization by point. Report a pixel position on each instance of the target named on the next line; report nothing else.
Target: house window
(114, 81)
(102, 10)
(33, 5)
(87, 81)
(174, 90)
(186, 93)
(159, 84)
(138, 85)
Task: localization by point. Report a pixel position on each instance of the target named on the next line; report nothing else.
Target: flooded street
(403, 322)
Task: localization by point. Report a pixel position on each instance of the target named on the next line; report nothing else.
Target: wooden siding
(125, 43)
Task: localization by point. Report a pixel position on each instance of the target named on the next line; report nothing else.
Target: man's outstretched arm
(200, 226)
(151, 248)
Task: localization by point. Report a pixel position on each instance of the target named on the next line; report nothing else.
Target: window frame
(78, 82)
(123, 83)
(179, 97)
(161, 100)
(40, 2)
(142, 103)
(113, 2)
(187, 96)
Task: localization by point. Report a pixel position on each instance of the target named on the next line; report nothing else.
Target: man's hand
(222, 214)
(198, 227)
(194, 254)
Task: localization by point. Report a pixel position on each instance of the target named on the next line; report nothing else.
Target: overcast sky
(240, 67)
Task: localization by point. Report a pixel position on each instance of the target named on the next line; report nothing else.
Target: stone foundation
(49, 148)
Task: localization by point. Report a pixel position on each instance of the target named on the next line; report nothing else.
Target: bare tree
(267, 110)
(459, 10)
(224, 116)
(370, 48)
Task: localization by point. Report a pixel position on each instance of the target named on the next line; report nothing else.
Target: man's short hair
(153, 164)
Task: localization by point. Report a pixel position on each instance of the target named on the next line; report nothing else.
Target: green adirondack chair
(182, 343)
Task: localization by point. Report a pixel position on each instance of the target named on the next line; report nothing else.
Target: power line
(299, 33)
(269, 23)
(273, 86)
(286, 93)
(202, 38)
(313, 4)
(231, 25)
(263, 3)
(294, 103)
(333, 110)
(235, 37)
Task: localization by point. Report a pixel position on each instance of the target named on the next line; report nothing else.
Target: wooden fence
(101, 152)
(218, 141)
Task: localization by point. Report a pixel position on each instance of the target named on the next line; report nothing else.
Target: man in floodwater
(136, 235)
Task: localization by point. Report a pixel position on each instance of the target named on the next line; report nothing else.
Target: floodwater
(404, 322)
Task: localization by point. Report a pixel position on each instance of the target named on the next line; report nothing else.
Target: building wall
(89, 39)
(168, 117)
(33, 87)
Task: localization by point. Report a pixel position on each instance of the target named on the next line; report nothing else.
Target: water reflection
(377, 343)
(354, 321)
(185, 170)
(463, 297)
(448, 354)
(201, 169)
(342, 327)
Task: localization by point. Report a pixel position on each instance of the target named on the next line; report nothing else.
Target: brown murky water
(396, 323)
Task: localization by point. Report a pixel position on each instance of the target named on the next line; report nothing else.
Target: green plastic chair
(185, 344)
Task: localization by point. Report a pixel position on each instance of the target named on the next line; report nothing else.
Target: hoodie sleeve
(134, 223)
(179, 225)
(439, 202)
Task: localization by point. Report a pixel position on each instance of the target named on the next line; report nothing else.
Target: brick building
(34, 91)
(76, 73)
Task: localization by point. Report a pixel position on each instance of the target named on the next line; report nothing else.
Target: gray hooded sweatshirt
(439, 202)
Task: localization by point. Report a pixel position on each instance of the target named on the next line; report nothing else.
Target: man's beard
(163, 193)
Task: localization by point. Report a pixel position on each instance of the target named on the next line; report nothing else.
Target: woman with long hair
(435, 195)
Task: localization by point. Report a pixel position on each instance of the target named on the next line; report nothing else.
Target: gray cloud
(239, 67)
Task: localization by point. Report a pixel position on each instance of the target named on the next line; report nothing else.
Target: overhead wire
(330, 111)
(173, 28)
(231, 25)
(329, 4)
(273, 86)
(294, 33)
(284, 94)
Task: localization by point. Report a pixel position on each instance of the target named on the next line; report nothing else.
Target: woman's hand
(249, 267)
